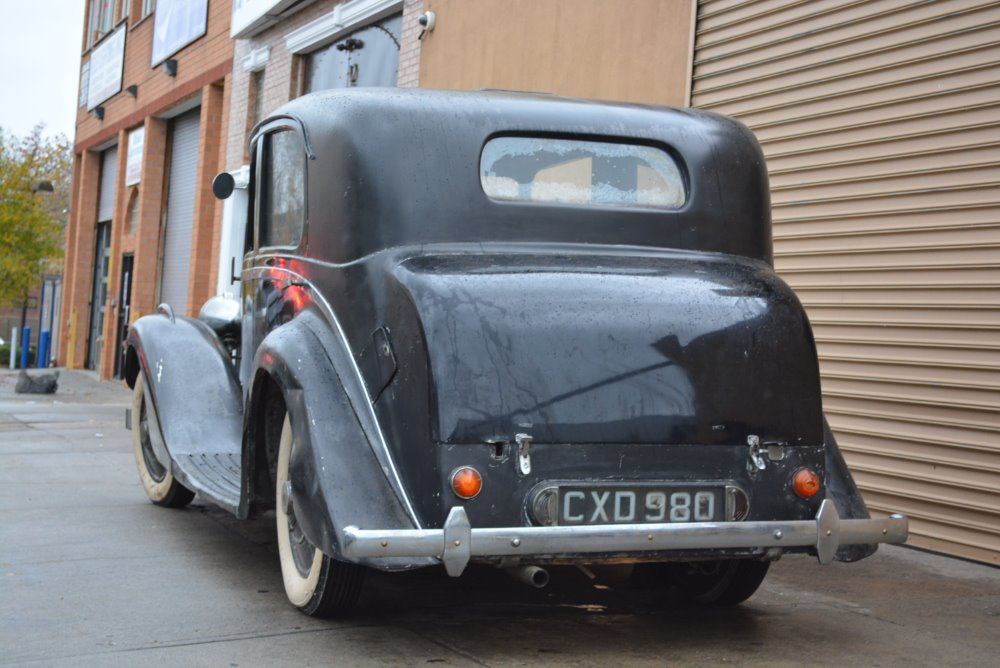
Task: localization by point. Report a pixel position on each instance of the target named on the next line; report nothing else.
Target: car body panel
(333, 486)
(194, 401)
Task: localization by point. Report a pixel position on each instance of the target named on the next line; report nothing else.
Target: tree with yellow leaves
(35, 173)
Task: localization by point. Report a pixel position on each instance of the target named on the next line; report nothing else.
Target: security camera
(427, 20)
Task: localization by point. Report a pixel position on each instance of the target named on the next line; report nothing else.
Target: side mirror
(223, 185)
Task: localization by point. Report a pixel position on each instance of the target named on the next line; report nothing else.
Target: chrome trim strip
(499, 248)
(384, 457)
(456, 544)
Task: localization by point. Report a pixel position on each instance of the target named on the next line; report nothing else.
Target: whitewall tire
(315, 583)
(160, 485)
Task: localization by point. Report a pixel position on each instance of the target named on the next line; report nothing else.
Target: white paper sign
(84, 83)
(133, 163)
(106, 64)
(177, 24)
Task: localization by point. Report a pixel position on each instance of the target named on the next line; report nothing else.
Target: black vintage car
(504, 328)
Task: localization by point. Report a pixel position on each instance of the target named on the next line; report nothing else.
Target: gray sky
(40, 64)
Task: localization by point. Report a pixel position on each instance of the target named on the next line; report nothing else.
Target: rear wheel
(720, 582)
(159, 483)
(724, 582)
(315, 583)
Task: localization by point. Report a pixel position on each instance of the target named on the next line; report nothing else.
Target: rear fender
(337, 479)
(194, 396)
(846, 496)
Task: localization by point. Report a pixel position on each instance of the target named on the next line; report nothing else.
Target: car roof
(408, 161)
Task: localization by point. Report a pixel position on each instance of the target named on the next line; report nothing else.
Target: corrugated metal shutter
(180, 211)
(881, 125)
(109, 178)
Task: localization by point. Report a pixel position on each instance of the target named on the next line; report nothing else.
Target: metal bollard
(13, 347)
(25, 342)
(42, 359)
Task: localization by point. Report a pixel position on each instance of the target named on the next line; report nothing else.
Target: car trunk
(600, 347)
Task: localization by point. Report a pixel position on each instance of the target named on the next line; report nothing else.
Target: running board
(214, 472)
(214, 475)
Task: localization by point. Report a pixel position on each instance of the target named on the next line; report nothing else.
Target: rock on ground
(46, 383)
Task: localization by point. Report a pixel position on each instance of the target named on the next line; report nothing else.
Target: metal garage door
(109, 179)
(881, 125)
(180, 211)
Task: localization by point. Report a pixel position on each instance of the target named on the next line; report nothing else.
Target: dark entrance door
(99, 295)
(124, 309)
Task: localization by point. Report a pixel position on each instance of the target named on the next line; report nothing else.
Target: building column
(146, 263)
(207, 209)
(68, 261)
(227, 100)
(79, 267)
(409, 52)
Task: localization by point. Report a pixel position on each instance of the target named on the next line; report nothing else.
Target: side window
(282, 190)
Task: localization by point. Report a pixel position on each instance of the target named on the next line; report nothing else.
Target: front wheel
(315, 583)
(160, 485)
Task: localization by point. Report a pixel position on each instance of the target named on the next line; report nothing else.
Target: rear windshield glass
(569, 171)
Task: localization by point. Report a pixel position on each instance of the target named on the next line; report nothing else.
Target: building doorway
(124, 311)
(99, 295)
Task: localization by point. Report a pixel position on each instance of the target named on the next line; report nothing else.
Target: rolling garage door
(109, 179)
(180, 211)
(881, 125)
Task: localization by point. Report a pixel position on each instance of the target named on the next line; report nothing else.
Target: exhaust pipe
(530, 575)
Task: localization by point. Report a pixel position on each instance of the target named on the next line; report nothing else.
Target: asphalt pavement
(92, 574)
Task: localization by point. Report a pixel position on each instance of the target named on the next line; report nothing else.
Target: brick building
(879, 121)
(150, 134)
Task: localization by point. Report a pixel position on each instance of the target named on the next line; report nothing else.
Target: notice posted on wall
(133, 163)
(106, 64)
(84, 84)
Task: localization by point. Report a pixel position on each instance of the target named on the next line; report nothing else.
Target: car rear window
(572, 171)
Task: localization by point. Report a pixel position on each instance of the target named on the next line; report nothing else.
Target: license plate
(640, 505)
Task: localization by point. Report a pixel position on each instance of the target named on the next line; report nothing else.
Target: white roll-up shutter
(880, 121)
(180, 211)
(109, 177)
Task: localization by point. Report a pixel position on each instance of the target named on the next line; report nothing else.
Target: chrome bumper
(458, 542)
